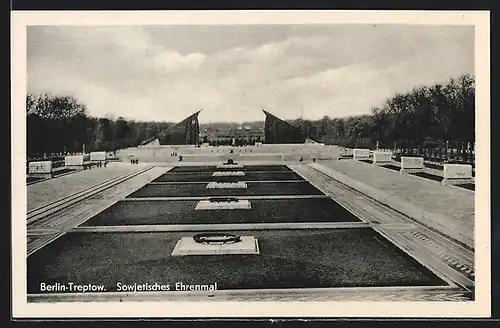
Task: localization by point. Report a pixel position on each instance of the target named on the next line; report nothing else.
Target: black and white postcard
(251, 164)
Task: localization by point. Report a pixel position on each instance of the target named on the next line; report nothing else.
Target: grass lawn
(276, 168)
(428, 176)
(288, 259)
(33, 179)
(207, 177)
(470, 186)
(262, 211)
(260, 189)
(392, 167)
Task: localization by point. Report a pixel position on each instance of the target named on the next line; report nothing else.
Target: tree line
(437, 120)
(58, 125)
(428, 119)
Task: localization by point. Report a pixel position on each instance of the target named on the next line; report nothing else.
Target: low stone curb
(434, 221)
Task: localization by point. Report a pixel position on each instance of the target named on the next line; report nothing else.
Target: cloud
(142, 73)
(173, 61)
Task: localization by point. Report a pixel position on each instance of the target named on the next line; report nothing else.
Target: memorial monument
(277, 131)
(186, 132)
(216, 243)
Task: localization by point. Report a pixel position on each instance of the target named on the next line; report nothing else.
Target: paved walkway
(55, 225)
(50, 190)
(430, 196)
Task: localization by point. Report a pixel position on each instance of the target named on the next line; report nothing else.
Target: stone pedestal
(40, 169)
(454, 174)
(230, 166)
(99, 156)
(74, 160)
(361, 153)
(240, 204)
(411, 164)
(187, 246)
(228, 174)
(227, 185)
(382, 157)
(346, 152)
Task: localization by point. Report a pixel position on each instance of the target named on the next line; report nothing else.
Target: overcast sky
(165, 73)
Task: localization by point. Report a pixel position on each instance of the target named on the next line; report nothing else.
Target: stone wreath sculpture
(216, 238)
(223, 199)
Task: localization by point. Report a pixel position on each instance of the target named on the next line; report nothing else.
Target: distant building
(243, 136)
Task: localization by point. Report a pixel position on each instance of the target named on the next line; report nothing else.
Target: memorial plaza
(296, 221)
